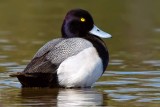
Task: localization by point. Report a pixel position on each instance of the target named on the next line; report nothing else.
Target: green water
(133, 76)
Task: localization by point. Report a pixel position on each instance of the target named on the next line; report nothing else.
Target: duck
(75, 60)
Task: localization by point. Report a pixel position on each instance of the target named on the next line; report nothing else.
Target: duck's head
(79, 23)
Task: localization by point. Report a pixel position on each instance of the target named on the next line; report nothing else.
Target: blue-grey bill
(96, 31)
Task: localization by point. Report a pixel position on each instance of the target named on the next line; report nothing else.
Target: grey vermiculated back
(48, 58)
(48, 46)
(67, 48)
(60, 49)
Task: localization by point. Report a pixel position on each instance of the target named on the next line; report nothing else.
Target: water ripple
(140, 86)
(116, 62)
(152, 62)
(132, 73)
(9, 47)
(4, 41)
(3, 56)
(121, 86)
(8, 64)
(124, 97)
(16, 68)
(5, 32)
(128, 90)
(152, 84)
(149, 100)
(120, 82)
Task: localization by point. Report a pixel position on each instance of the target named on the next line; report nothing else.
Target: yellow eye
(83, 19)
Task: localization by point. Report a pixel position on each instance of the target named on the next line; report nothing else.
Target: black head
(77, 23)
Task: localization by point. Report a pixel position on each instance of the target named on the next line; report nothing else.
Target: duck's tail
(36, 79)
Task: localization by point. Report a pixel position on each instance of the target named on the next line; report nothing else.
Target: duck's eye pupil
(83, 19)
(98, 30)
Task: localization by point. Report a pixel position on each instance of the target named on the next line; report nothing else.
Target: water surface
(133, 75)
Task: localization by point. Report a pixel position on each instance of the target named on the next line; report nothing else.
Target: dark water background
(133, 76)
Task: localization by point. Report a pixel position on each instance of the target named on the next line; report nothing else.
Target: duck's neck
(66, 33)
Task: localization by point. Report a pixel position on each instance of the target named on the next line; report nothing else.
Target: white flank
(81, 70)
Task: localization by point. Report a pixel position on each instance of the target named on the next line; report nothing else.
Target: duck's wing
(48, 58)
(39, 63)
(43, 67)
(39, 71)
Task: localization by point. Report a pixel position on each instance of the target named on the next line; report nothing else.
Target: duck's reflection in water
(85, 97)
(63, 97)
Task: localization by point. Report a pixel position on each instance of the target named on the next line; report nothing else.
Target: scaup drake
(77, 59)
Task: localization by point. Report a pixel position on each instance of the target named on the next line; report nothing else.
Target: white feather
(80, 70)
